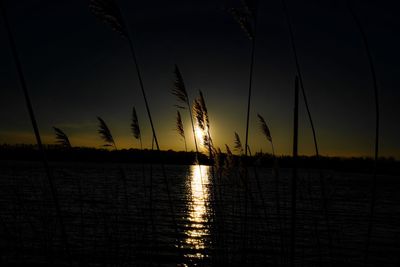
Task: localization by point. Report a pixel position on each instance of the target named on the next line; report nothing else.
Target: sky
(77, 68)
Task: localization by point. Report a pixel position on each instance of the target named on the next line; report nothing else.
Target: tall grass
(179, 91)
(377, 125)
(109, 12)
(267, 133)
(135, 127)
(62, 138)
(105, 134)
(35, 127)
(179, 127)
(109, 141)
(294, 176)
(310, 118)
(246, 16)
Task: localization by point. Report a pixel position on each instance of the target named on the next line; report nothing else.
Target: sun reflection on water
(197, 231)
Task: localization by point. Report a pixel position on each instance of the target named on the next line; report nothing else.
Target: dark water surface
(121, 215)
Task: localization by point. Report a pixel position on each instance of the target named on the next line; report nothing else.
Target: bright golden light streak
(198, 232)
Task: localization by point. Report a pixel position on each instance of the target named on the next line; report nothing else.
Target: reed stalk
(267, 133)
(294, 176)
(317, 155)
(179, 91)
(377, 128)
(110, 13)
(35, 127)
(246, 16)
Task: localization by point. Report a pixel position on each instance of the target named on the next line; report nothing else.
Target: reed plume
(205, 111)
(201, 114)
(135, 127)
(245, 17)
(238, 144)
(198, 114)
(179, 91)
(62, 138)
(105, 134)
(108, 12)
(179, 127)
(265, 130)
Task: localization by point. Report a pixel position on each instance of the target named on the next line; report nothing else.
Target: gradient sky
(77, 69)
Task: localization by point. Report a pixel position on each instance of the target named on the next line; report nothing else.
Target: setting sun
(199, 134)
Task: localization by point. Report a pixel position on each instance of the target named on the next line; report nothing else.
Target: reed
(179, 91)
(267, 133)
(373, 191)
(109, 12)
(179, 127)
(135, 127)
(200, 112)
(238, 144)
(246, 16)
(62, 138)
(294, 176)
(310, 118)
(35, 127)
(105, 134)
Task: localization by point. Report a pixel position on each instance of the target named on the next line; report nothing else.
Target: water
(118, 215)
(198, 234)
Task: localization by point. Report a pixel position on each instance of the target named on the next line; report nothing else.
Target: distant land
(55, 153)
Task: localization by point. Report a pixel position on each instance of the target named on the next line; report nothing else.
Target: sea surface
(153, 215)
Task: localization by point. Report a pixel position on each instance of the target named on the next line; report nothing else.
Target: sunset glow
(199, 135)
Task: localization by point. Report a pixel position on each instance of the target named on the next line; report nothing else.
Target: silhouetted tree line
(86, 154)
(26, 152)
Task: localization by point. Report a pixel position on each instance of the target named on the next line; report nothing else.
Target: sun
(199, 134)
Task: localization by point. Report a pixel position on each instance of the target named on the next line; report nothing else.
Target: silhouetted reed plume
(201, 114)
(135, 127)
(205, 112)
(179, 127)
(265, 130)
(105, 134)
(198, 114)
(245, 16)
(179, 91)
(238, 144)
(62, 138)
(108, 12)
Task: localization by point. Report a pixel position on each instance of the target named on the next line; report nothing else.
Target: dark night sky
(77, 69)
